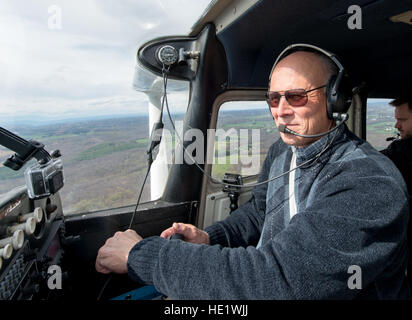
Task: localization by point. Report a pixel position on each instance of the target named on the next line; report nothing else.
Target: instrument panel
(31, 237)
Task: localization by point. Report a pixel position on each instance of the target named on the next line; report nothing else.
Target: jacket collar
(310, 151)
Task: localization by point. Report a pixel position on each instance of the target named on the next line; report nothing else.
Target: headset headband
(312, 48)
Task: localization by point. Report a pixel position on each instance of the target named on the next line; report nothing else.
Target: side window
(68, 86)
(380, 122)
(244, 132)
(104, 157)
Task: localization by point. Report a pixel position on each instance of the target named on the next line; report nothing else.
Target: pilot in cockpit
(333, 226)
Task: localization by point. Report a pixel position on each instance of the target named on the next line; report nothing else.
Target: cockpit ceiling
(379, 54)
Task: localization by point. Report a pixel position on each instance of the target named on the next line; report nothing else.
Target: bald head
(316, 67)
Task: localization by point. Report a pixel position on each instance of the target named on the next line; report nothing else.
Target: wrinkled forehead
(286, 78)
(298, 70)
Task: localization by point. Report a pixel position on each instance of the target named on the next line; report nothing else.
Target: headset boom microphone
(284, 129)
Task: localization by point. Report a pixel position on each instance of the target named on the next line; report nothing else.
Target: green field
(104, 149)
(9, 174)
(381, 127)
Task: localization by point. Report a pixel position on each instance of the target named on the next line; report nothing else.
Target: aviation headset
(338, 89)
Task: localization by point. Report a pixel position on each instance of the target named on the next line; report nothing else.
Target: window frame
(229, 96)
(209, 186)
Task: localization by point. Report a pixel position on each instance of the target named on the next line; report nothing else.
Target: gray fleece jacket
(351, 210)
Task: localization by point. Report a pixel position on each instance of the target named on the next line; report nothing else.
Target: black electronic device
(231, 181)
(43, 180)
(45, 177)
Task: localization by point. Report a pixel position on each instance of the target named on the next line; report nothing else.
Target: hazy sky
(82, 63)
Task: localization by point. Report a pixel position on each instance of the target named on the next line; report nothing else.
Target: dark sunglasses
(295, 97)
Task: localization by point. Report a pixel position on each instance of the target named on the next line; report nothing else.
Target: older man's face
(301, 70)
(403, 118)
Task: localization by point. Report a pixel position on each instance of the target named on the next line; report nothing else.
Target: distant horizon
(30, 119)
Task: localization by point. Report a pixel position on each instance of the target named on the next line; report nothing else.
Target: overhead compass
(167, 55)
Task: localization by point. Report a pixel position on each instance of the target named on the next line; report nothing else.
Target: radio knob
(37, 214)
(29, 226)
(16, 240)
(6, 252)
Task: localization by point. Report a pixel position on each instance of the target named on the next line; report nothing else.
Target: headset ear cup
(330, 99)
(341, 101)
(344, 96)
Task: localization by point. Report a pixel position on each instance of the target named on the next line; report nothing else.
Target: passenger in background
(400, 152)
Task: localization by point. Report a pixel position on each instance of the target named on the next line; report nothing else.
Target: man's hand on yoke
(112, 257)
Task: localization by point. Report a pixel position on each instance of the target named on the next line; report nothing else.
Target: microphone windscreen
(281, 128)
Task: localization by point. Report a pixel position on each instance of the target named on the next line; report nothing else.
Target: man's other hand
(112, 257)
(190, 233)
